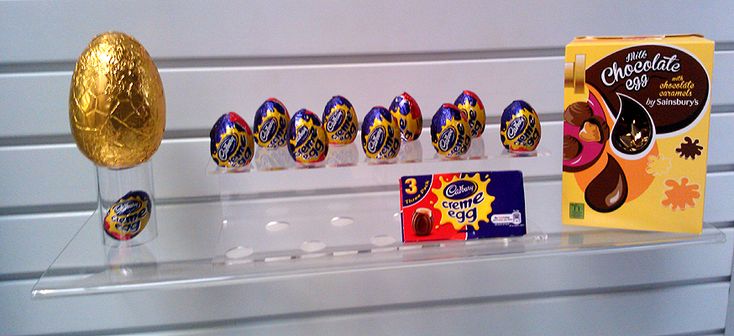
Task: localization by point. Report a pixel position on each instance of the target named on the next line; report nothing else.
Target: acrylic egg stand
(275, 220)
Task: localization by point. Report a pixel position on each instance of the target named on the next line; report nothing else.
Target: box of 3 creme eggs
(462, 206)
(635, 133)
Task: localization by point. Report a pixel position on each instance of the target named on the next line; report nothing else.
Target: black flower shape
(689, 149)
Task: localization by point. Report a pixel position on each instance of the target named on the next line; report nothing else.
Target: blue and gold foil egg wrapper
(231, 141)
(469, 103)
(520, 127)
(405, 110)
(340, 121)
(307, 141)
(271, 124)
(380, 135)
(450, 133)
(128, 216)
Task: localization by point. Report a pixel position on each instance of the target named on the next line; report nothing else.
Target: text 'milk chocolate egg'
(450, 133)
(117, 109)
(405, 110)
(519, 127)
(380, 134)
(340, 121)
(469, 103)
(231, 142)
(307, 141)
(271, 124)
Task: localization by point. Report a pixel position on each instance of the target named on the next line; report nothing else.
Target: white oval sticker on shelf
(238, 252)
(341, 221)
(274, 226)
(313, 246)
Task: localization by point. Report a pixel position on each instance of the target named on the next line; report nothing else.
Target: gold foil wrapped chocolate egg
(117, 109)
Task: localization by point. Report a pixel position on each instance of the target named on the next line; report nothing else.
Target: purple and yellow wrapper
(128, 216)
(271, 124)
(450, 133)
(405, 110)
(469, 103)
(519, 127)
(306, 138)
(340, 121)
(231, 141)
(380, 134)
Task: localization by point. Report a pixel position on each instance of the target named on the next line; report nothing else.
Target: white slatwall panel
(287, 28)
(195, 97)
(619, 314)
(29, 243)
(217, 57)
(62, 176)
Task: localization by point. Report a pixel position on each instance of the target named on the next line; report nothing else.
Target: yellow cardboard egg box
(635, 133)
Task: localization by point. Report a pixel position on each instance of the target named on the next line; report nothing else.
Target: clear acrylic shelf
(274, 221)
(191, 251)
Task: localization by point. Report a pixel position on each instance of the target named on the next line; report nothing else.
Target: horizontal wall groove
(34, 140)
(723, 225)
(336, 60)
(275, 60)
(722, 108)
(722, 168)
(724, 46)
(45, 209)
(65, 139)
(21, 276)
(711, 332)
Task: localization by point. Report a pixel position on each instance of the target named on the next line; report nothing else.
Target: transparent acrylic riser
(278, 210)
(275, 220)
(273, 171)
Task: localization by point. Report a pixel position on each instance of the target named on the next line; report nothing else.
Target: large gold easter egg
(117, 109)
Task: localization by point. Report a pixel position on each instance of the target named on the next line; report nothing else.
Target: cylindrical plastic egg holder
(114, 184)
(275, 211)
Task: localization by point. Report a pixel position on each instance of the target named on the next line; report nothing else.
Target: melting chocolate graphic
(608, 191)
(632, 132)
